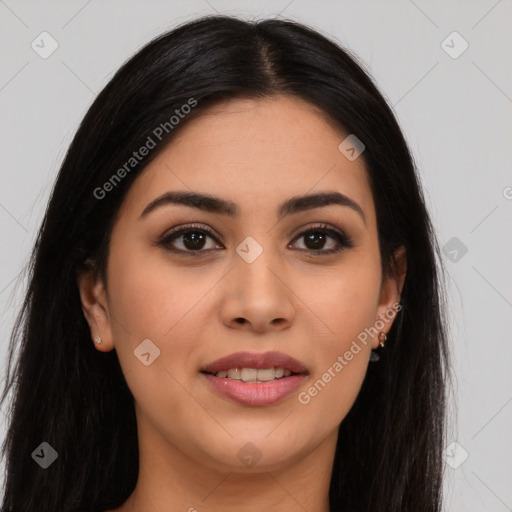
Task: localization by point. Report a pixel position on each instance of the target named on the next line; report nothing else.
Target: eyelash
(344, 241)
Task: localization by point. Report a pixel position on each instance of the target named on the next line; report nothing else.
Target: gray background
(455, 113)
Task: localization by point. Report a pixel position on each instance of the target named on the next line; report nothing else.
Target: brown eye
(192, 240)
(189, 239)
(315, 240)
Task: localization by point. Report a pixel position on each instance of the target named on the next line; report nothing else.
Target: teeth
(253, 375)
(249, 375)
(264, 375)
(234, 373)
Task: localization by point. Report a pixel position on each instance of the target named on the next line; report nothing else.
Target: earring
(382, 339)
(98, 340)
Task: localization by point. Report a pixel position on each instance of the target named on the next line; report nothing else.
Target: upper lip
(257, 361)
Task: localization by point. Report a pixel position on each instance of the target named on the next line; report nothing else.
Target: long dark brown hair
(64, 392)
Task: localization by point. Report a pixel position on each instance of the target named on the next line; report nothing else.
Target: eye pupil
(195, 239)
(314, 238)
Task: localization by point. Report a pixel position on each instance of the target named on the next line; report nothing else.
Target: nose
(257, 297)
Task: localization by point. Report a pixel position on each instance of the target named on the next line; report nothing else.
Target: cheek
(147, 294)
(333, 390)
(149, 299)
(346, 306)
(345, 299)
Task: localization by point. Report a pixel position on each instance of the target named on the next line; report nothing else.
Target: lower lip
(256, 394)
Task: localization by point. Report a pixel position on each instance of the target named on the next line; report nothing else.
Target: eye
(193, 239)
(315, 239)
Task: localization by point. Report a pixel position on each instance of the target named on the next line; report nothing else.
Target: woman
(235, 296)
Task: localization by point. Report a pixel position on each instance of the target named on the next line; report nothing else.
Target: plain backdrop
(454, 104)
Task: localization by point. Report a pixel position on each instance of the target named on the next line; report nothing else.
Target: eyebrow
(214, 204)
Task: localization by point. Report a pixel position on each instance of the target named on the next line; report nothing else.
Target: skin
(256, 153)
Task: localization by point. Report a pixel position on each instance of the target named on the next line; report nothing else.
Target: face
(256, 274)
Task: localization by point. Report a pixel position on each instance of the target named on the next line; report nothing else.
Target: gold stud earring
(98, 340)
(382, 339)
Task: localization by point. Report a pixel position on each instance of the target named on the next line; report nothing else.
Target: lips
(256, 361)
(223, 377)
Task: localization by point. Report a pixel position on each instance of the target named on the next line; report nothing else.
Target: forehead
(255, 152)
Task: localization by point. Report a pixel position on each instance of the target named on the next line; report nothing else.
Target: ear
(95, 308)
(391, 289)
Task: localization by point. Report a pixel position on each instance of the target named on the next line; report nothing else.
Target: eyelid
(318, 226)
(190, 227)
(344, 240)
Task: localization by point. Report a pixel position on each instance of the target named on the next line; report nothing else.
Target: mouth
(253, 374)
(254, 379)
(255, 367)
